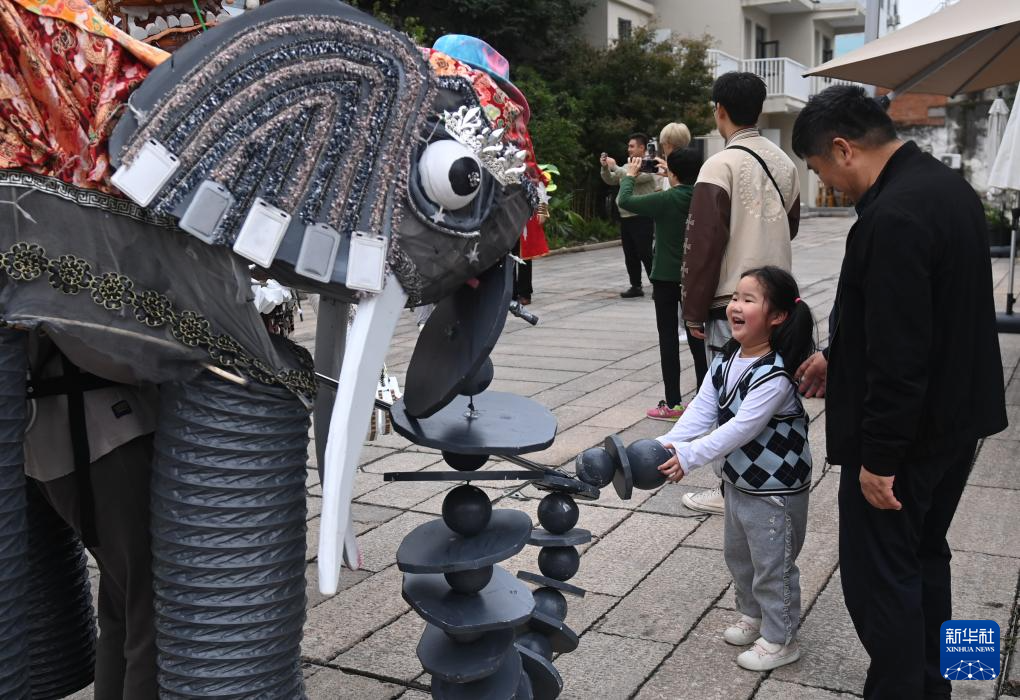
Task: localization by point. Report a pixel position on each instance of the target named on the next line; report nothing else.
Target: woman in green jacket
(668, 209)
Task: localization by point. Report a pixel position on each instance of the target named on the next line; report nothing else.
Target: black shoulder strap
(763, 167)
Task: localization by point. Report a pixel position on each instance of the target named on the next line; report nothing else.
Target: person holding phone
(636, 231)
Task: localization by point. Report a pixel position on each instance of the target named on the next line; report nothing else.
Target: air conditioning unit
(952, 160)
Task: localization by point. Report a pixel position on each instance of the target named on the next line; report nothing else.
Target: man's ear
(842, 150)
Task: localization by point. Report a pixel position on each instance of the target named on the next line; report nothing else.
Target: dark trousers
(522, 280)
(636, 235)
(667, 322)
(896, 575)
(126, 648)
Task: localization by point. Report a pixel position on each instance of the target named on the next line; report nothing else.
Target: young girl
(748, 412)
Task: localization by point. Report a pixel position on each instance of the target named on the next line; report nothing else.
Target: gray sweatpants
(762, 537)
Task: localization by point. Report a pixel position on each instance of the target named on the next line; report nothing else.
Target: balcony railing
(782, 76)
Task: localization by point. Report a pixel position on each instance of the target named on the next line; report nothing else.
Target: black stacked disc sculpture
(471, 605)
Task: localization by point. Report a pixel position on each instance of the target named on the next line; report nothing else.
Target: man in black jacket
(914, 379)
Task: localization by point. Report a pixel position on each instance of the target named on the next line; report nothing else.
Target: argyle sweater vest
(778, 460)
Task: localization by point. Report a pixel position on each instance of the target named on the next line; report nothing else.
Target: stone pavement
(659, 591)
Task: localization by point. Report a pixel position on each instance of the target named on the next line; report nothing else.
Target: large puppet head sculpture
(325, 147)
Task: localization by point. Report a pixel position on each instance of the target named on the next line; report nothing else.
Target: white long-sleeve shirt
(697, 438)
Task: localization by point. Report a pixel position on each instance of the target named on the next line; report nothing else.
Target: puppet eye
(451, 174)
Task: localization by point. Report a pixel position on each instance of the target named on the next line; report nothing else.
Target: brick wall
(913, 109)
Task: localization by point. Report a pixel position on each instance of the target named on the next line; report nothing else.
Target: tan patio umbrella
(968, 46)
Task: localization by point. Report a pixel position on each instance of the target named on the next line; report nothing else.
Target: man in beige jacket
(744, 213)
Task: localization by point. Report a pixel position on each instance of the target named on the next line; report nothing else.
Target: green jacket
(669, 211)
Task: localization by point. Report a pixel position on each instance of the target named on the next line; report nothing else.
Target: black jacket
(914, 362)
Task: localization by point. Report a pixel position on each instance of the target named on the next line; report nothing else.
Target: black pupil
(465, 176)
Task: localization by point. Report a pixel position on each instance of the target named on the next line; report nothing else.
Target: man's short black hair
(846, 111)
(685, 163)
(742, 94)
(639, 137)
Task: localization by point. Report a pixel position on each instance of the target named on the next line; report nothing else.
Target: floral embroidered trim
(69, 274)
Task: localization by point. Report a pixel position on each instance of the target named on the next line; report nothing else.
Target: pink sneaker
(664, 412)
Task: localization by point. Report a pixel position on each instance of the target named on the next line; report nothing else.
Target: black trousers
(636, 234)
(896, 575)
(522, 280)
(126, 648)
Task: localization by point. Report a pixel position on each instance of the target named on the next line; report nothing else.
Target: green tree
(556, 127)
(639, 84)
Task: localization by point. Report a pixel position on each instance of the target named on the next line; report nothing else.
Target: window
(623, 28)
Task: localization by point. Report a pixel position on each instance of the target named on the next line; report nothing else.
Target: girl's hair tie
(797, 300)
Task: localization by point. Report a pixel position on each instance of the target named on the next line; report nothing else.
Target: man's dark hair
(685, 163)
(639, 137)
(742, 94)
(846, 111)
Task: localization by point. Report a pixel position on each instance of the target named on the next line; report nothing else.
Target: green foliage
(565, 227)
(639, 85)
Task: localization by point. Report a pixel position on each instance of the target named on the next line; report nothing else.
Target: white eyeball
(451, 174)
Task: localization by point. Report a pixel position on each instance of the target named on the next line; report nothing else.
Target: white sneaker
(711, 501)
(765, 656)
(743, 631)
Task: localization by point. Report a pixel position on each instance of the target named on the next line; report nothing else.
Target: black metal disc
(505, 602)
(524, 689)
(623, 479)
(501, 685)
(571, 538)
(546, 683)
(456, 340)
(451, 661)
(433, 548)
(501, 424)
(551, 583)
(563, 639)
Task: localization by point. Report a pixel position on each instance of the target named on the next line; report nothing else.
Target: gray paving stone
(372, 515)
(582, 613)
(348, 579)
(823, 505)
(536, 374)
(979, 525)
(388, 652)
(402, 461)
(703, 667)
(520, 387)
(331, 683)
(314, 504)
(612, 394)
(667, 501)
(607, 666)
(568, 445)
(569, 415)
(340, 622)
(671, 600)
(617, 417)
(404, 494)
(530, 361)
(379, 546)
(552, 398)
(772, 689)
(618, 562)
(831, 655)
(995, 464)
(709, 534)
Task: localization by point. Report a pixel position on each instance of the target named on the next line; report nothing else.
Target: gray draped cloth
(128, 296)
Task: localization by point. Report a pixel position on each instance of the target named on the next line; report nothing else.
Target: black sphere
(470, 581)
(537, 643)
(551, 602)
(557, 513)
(595, 467)
(464, 463)
(479, 381)
(466, 510)
(645, 456)
(560, 563)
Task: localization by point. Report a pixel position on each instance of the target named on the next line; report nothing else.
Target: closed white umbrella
(1005, 172)
(998, 113)
(1005, 175)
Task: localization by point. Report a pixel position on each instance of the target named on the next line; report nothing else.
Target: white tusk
(367, 342)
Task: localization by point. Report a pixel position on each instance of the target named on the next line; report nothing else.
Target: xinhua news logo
(970, 650)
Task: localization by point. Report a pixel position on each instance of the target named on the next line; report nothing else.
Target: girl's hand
(671, 469)
(633, 167)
